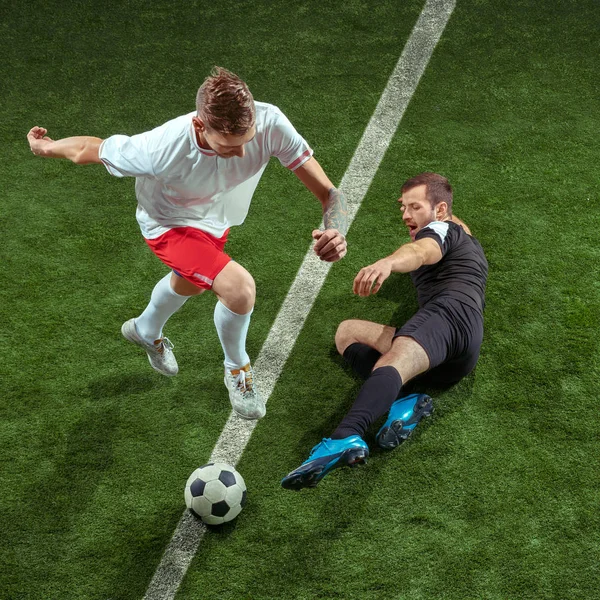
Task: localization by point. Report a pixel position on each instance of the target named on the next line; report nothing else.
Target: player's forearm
(406, 259)
(79, 149)
(335, 212)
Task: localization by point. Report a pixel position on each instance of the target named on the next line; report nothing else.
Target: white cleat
(160, 354)
(243, 395)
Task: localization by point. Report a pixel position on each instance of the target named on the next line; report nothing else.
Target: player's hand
(330, 244)
(369, 279)
(38, 141)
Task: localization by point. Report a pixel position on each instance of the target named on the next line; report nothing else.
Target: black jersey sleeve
(443, 232)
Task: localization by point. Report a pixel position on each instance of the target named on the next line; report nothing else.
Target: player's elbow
(324, 194)
(78, 159)
(87, 153)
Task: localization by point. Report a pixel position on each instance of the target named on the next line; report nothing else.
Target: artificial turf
(495, 496)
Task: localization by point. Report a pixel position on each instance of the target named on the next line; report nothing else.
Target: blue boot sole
(308, 476)
(398, 431)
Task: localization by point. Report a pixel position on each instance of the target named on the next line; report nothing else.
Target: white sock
(232, 329)
(164, 302)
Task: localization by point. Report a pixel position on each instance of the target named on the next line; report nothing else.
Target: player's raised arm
(330, 244)
(461, 223)
(81, 150)
(409, 257)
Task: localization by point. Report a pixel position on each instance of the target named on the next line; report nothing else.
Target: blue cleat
(324, 457)
(403, 417)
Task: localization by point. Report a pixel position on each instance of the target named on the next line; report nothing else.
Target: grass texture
(495, 497)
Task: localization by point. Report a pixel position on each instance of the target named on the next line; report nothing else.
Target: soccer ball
(216, 493)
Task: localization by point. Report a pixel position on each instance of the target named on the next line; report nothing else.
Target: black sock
(374, 399)
(361, 358)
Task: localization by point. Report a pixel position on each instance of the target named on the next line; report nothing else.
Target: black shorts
(451, 333)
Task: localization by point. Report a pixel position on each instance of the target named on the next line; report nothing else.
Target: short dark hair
(438, 188)
(225, 103)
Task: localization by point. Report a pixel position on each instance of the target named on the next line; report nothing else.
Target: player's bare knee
(240, 295)
(246, 294)
(344, 336)
(235, 288)
(407, 356)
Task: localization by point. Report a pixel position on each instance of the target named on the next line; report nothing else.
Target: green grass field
(495, 497)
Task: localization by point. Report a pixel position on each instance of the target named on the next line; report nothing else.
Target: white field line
(311, 275)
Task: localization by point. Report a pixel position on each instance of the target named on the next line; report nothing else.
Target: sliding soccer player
(449, 269)
(195, 178)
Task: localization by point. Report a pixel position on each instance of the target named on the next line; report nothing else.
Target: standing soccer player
(195, 177)
(449, 269)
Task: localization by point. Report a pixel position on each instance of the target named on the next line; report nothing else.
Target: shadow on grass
(49, 508)
(120, 385)
(357, 487)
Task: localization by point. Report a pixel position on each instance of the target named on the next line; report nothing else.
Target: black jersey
(462, 271)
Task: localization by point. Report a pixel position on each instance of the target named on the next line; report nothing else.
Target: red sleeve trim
(301, 159)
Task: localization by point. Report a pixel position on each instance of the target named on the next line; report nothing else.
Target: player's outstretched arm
(407, 258)
(81, 150)
(330, 244)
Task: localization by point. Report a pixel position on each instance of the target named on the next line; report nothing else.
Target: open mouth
(412, 229)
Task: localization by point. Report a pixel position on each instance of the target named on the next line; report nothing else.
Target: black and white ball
(216, 493)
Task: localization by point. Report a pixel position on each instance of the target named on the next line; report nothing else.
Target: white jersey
(180, 184)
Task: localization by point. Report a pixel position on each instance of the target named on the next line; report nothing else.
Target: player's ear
(441, 211)
(199, 124)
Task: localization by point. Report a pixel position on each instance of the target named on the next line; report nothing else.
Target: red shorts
(192, 253)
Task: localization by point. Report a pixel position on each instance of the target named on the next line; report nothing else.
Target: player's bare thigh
(407, 356)
(376, 336)
(183, 287)
(234, 287)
